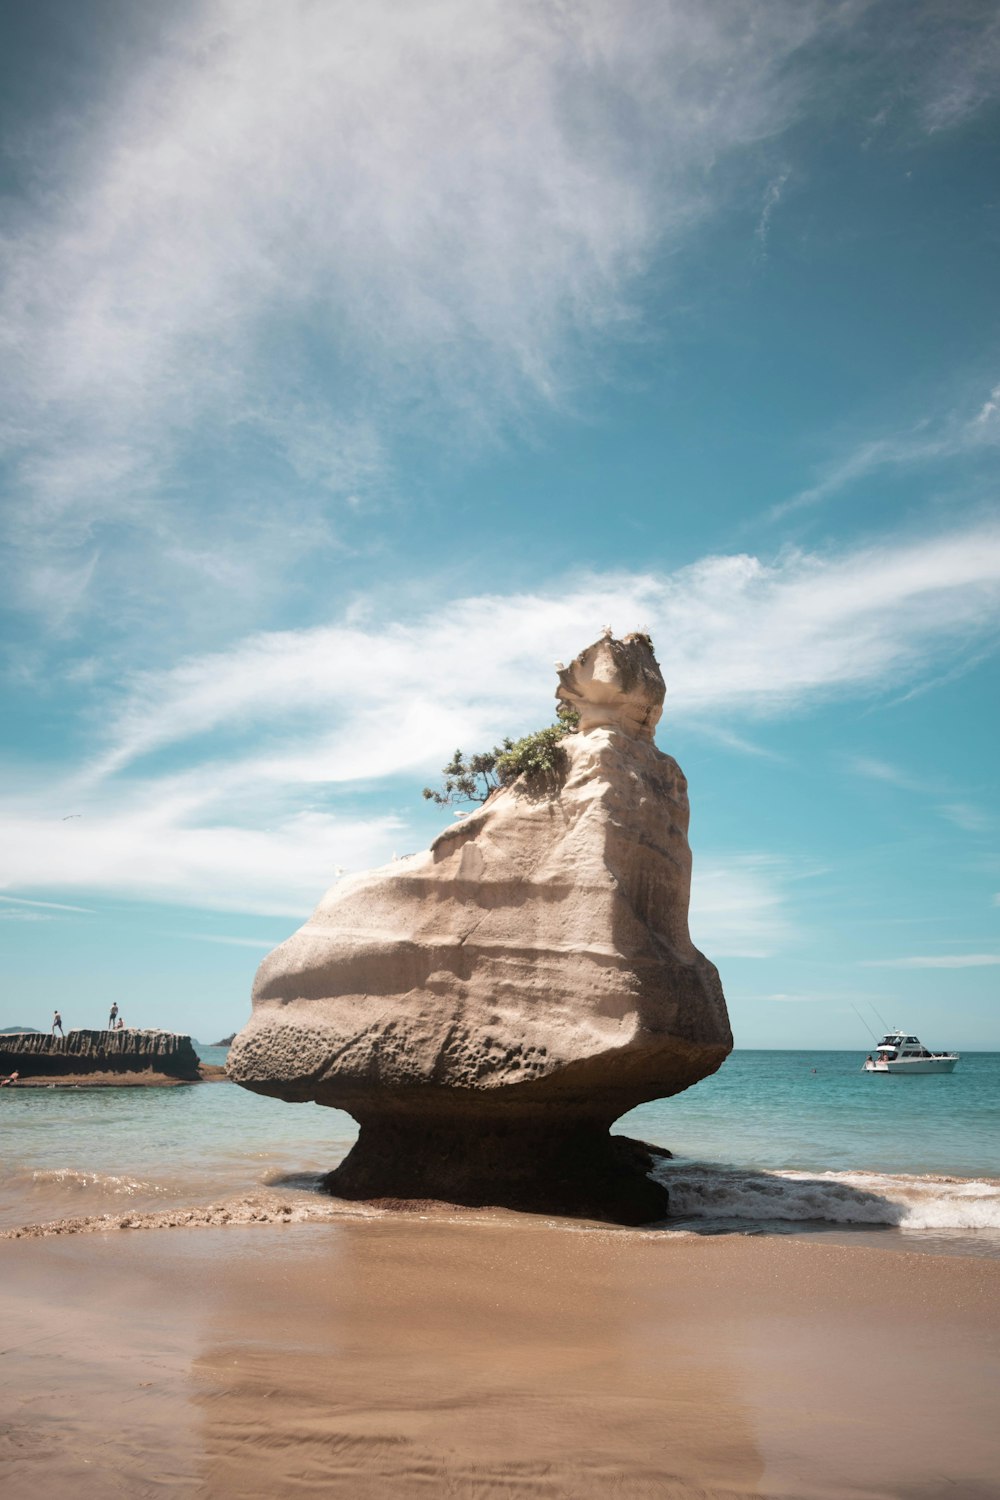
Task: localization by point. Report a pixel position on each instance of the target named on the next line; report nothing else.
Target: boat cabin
(894, 1044)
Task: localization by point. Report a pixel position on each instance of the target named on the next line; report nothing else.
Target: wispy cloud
(813, 997)
(940, 63)
(291, 230)
(797, 999)
(963, 814)
(772, 197)
(964, 74)
(968, 817)
(286, 238)
(873, 769)
(738, 633)
(739, 906)
(185, 857)
(49, 905)
(936, 961)
(146, 846)
(932, 440)
(231, 942)
(277, 732)
(721, 734)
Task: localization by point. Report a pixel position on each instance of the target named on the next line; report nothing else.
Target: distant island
(19, 1030)
(226, 1040)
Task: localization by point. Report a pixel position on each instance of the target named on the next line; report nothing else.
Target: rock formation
(486, 1009)
(36, 1054)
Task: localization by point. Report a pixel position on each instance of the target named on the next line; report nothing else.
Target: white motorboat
(899, 1053)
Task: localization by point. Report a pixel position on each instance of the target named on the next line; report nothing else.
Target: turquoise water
(775, 1139)
(819, 1111)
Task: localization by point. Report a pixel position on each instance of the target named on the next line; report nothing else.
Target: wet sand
(493, 1355)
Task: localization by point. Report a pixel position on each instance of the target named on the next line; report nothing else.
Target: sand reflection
(484, 1358)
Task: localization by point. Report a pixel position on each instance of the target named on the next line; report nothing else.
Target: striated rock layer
(486, 1009)
(35, 1054)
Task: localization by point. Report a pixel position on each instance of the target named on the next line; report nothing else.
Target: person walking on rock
(113, 1016)
(57, 1024)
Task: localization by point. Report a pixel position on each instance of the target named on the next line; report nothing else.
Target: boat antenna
(865, 1024)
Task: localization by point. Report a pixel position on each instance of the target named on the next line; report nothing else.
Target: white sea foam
(703, 1192)
(79, 1182)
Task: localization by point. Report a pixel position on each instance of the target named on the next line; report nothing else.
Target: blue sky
(361, 361)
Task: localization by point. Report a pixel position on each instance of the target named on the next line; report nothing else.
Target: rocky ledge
(100, 1056)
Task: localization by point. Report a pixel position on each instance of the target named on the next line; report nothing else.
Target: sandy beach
(492, 1354)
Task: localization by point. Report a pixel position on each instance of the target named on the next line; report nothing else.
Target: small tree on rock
(534, 755)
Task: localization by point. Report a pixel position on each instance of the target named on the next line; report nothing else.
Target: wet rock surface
(486, 1009)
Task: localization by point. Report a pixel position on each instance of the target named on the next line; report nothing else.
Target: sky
(358, 362)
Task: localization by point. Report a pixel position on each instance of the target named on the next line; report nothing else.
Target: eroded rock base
(580, 1170)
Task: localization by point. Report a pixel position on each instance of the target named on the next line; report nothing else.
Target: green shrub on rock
(534, 756)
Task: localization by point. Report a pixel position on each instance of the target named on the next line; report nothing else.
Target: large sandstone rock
(487, 1008)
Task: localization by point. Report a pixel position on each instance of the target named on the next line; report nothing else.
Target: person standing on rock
(113, 1016)
(57, 1024)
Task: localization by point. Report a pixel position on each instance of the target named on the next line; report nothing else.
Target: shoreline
(146, 1078)
(296, 1201)
(414, 1355)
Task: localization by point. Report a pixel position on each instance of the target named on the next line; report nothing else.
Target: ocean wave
(699, 1191)
(71, 1180)
(255, 1211)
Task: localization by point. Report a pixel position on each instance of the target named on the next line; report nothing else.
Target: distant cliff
(36, 1054)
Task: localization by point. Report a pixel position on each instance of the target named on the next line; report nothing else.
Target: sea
(776, 1142)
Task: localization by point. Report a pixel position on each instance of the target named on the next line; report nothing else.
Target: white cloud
(50, 905)
(277, 732)
(943, 63)
(967, 816)
(734, 633)
(939, 961)
(231, 942)
(772, 197)
(873, 769)
(964, 815)
(291, 228)
(807, 997)
(738, 906)
(287, 237)
(964, 72)
(988, 415)
(159, 853)
(721, 734)
(931, 440)
(147, 842)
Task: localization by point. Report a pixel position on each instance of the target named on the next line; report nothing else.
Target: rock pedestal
(486, 1009)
